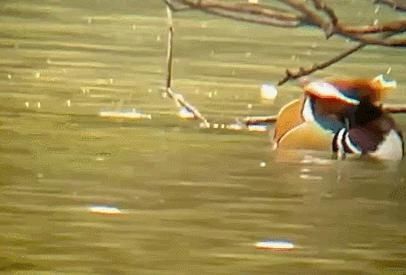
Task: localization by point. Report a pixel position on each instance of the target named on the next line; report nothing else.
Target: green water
(193, 201)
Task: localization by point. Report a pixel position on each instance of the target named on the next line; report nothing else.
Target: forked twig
(302, 14)
(289, 74)
(264, 14)
(299, 13)
(177, 97)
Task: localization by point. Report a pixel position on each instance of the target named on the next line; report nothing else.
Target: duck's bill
(382, 84)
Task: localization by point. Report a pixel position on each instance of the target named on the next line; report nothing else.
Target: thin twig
(255, 120)
(394, 108)
(177, 97)
(247, 8)
(332, 26)
(169, 49)
(252, 19)
(311, 17)
(169, 55)
(394, 4)
(253, 13)
(378, 41)
(394, 26)
(289, 74)
(181, 101)
(320, 5)
(174, 8)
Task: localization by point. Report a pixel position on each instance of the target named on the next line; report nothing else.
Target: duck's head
(373, 90)
(329, 99)
(344, 93)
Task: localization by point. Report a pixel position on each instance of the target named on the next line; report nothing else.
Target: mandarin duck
(343, 116)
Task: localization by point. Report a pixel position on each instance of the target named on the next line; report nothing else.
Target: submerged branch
(182, 102)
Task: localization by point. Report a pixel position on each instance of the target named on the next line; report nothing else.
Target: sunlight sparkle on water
(101, 209)
(275, 245)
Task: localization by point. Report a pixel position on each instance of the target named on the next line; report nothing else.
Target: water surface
(194, 201)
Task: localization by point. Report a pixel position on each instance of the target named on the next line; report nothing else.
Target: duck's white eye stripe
(307, 111)
(326, 90)
(339, 142)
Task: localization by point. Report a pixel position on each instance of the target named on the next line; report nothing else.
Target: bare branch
(256, 20)
(254, 13)
(379, 41)
(175, 8)
(320, 5)
(289, 74)
(320, 16)
(169, 54)
(357, 32)
(316, 67)
(333, 26)
(395, 4)
(311, 17)
(394, 108)
(255, 120)
(395, 26)
(254, 9)
(300, 14)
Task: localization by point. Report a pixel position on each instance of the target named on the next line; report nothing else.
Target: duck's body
(342, 116)
(296, 128)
